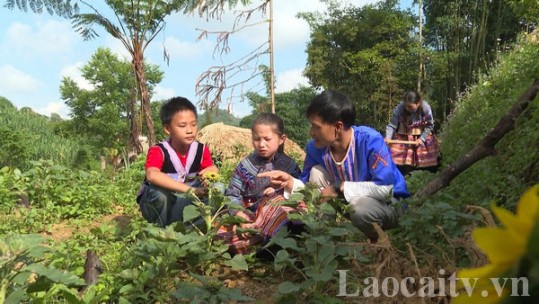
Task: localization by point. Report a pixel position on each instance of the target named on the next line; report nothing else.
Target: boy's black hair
(332, 106)
(174, 105)
(272, 120)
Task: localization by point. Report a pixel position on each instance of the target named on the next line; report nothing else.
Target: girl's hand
(419, 142)
(269, 191)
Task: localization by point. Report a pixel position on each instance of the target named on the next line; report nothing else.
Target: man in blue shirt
(348, 161)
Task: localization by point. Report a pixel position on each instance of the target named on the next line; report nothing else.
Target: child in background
(413, 121)
(255, 193)
(174, 165)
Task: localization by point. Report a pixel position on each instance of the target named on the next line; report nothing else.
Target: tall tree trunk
(498, 28)
(473, 47)
(134, 144)
(482, 34)
(138, 64)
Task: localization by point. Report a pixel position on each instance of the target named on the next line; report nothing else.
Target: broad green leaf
(129, 274)
(238, 262)
(16, 297)
(326, 208)
(296, 197)
(70, 294)
(287, 243)
(338, 231)
(54, 275)
(288, 287)
(323, 275)
(190, 213)
(127, 289)
(326, 253)
(227, 294)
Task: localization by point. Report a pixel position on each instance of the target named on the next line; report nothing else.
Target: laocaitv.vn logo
(443, 286)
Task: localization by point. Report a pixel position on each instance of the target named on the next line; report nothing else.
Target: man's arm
(379, 161)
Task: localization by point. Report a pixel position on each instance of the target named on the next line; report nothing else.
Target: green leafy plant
(191, 246)
(23, 275)
(208, 291)
(316, 253)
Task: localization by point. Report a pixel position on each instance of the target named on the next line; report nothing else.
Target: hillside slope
(515, 167)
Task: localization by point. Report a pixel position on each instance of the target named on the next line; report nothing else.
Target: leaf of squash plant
(238, 262)
(288, 287)
(18, 296)
(54, 275)
(190, 213)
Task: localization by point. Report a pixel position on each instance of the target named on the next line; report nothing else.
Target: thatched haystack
(233, 143)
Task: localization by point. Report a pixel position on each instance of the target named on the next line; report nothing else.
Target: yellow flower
(503, 246)
(211, 176)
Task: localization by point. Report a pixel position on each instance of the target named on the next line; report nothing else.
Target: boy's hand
(210, 174)
(201, 192)
(209, 169)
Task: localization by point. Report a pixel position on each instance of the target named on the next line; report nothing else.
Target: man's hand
(419, 142)
(329, 192)
(279, 179)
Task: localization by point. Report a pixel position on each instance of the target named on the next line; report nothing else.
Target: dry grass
(234, 143)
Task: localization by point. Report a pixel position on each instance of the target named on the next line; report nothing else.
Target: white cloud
(15, 81)
(49, 38)
(178, 49)
(54, 107)
(117, 48)
(290, 31)
(240, 109)
(162, 93)
(73, 72)
(290, 79)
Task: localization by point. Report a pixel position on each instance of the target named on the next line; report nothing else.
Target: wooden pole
(420, 74)
(272, 71)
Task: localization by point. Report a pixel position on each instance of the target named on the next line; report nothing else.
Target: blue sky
(36, 51)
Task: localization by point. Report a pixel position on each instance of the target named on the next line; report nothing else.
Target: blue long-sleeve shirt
(368, 160)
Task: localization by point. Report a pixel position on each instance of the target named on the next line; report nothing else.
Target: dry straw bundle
(233, 143)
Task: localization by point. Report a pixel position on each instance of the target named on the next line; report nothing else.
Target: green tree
(466, 36)
(290, 106)
(355, 49)
(6, 105)
(62, 8)
(14, 147)
(101, 114)
(527, 11)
